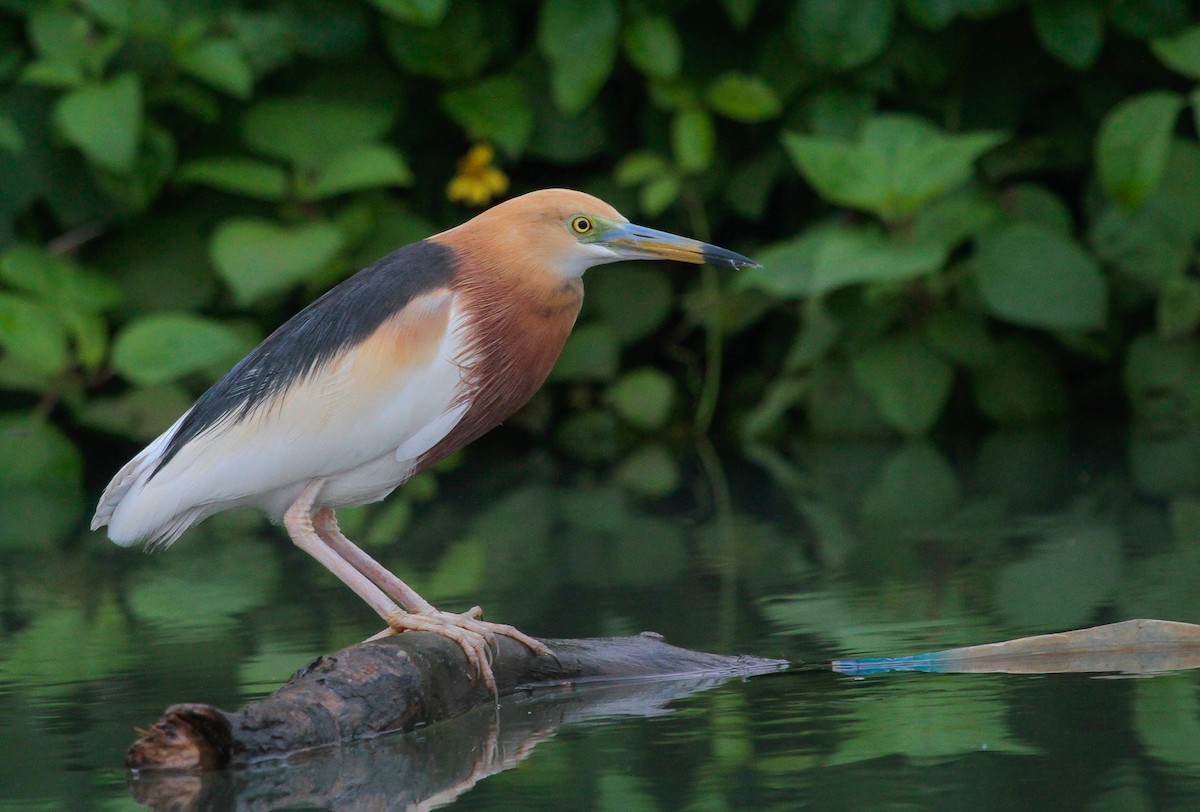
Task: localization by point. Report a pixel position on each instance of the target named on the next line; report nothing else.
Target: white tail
(122, 494)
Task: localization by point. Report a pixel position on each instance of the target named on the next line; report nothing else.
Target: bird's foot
(477, 638)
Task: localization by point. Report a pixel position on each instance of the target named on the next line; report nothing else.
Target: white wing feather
(363, 436)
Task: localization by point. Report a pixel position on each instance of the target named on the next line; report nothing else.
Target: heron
(388, 372)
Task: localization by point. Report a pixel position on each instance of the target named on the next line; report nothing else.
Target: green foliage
(178, 178)
(41, 481)
(1072, 30)
(579, 38)
(1030, 275)
(643, 397)
(908, 382)
(104, 119)
(167, 346)
(256, 257)
(1131, 149)
(897, 164)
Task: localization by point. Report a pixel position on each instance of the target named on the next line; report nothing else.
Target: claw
(476, 638)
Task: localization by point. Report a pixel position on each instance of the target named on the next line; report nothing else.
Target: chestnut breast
(517, 320)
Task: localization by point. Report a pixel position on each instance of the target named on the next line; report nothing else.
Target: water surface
(811, 553)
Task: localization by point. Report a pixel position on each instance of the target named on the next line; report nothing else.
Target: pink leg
(299, 524)
(327, 528)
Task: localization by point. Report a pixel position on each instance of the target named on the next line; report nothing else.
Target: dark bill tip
(723, 256)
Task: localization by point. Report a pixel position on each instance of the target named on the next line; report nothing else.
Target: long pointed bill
(631, 241)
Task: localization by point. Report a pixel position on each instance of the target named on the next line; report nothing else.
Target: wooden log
(400, 683)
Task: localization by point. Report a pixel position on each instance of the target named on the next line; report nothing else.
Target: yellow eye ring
(581, 225)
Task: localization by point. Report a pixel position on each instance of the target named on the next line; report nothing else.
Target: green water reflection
(805, 552)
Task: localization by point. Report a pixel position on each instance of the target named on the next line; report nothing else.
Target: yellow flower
(477, 181)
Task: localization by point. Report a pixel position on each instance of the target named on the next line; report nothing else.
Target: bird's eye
(581, 225)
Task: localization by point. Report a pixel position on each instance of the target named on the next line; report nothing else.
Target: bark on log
(400, 683)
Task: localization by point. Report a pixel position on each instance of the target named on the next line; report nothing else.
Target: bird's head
(567, 232)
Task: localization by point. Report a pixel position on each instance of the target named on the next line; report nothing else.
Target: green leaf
(1153, 243)
(591, 354)
(743, 97)
(309, 131)
(633, 300)
(850, 255)
(104, 120)
(659, 195)
(1180, 52)
(640, 167)
(908, 383)
(652, 45)
(32, 334)
(417, 12)
(951, 220)
(818, 335)
(68, 44)
(52, 74)
(219, 63)
(495, 110)
(41, 483)
(248, 177)
(68, 645)
(11, 139)
(643, 398)
(1036, 204)
(898, 164)
(1063, 581)
(749, 189)
(57, 34)
(650, 471)
(1133, 144)
(1032, 276)
(89, 332)
(915, 486)
(827, 258)
(167, 346)
(391, 225)
(367, 166)
(257, 257)
(579, 38)
(140, 414)
(693, 139)
(1072, 30)
(57, 281)
(838, 35)
(787, 267)
(458, 47)
(201, 590)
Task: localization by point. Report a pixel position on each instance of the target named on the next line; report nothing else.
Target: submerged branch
(400, 683)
